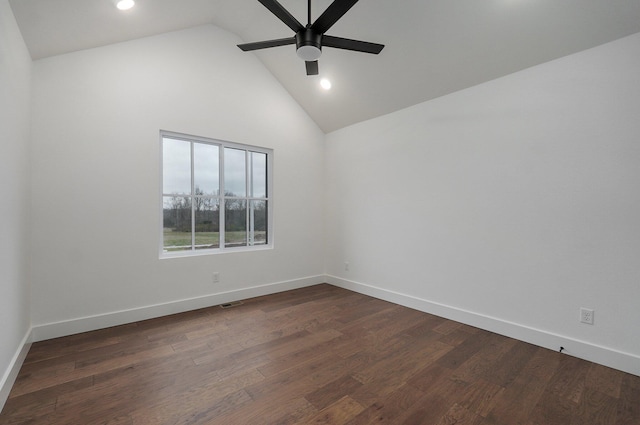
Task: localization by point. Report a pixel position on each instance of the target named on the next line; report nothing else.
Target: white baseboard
(625, 362)
(100, 321)
(11, 373)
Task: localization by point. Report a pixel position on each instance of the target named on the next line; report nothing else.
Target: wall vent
(231, 304)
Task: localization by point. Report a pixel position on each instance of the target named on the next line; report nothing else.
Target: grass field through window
(180, 241)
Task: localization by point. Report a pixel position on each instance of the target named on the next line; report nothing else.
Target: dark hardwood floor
(311, 356)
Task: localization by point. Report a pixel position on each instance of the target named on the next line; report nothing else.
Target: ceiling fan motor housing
(308, 44)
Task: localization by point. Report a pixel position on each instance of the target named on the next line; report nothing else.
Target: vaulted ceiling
(433, 47)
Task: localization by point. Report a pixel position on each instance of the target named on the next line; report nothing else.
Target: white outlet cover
(586, 316)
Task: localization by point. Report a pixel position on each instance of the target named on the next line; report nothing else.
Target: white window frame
(222, 197)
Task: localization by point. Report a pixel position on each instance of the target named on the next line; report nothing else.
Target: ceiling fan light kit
(310, 39)
(308, 45)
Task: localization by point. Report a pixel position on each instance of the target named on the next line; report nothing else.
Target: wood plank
(509, 365)
(458, 414)
(428, 410)
(199, 403)
(390, 407)
(384, 376)
(521, 395)
(628, 409)
(333, 391)
(604, 380)
(339, 412)
(465, 350)
(596, 408)
(482, 363)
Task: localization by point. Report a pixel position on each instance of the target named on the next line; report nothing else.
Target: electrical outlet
(346, 266)
(215, 278)
(586, 315)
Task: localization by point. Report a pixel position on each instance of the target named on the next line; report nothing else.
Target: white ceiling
(433, 47)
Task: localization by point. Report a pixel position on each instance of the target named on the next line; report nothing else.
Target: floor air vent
(231, 304)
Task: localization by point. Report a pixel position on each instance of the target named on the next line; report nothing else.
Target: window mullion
(222, 199)
(248, 192)
(193, 201)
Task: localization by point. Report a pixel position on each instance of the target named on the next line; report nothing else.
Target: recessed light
(325, 84)
(124, 4)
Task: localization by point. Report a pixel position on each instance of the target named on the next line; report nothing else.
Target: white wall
(15, 82)
(95, 230)
(509, 205)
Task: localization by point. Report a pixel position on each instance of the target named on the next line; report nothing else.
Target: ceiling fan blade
(312, 67)
(348, 44)
(266, 44)
(282, 14)
(332, 14)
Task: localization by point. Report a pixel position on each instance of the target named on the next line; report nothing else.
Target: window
(215, 195)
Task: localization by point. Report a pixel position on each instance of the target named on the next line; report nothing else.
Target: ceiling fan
(310, 39)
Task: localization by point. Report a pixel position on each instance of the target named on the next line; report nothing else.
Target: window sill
(203, 252)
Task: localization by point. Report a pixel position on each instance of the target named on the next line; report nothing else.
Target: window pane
(258, 164)
(206, 171)
(176, 220)
(176, 167)
(207, 214)
(235, 174)
(258, 223)
(235, 223)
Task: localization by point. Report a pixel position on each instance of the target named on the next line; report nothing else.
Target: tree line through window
(215, 195)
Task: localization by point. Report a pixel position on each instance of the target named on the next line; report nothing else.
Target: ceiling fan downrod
(308, 41)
